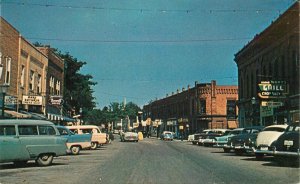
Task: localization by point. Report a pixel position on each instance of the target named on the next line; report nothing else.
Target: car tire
(44, 159)
(194, 143)
(226, 150)
(238, 152)
(20, 163)
(94, 145)
(75, 150)
(259, 156)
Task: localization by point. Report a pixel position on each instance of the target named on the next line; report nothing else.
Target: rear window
(7, 130)
(46, 130)
(274, 129)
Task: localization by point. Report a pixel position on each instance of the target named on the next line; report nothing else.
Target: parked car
(213, 132)
(24, 140)
(286, 148)
(210, 139)
(129, 136)
(76, 142)
(222, 140)
(244, 142)
(266, 137)
(193, 138)
(98, 138)
(166, 135)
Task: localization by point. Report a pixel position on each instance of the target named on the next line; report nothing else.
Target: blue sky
(143, 49)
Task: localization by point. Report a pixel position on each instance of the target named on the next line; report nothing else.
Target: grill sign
(272, 89)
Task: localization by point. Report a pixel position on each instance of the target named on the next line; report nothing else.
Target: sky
(141, 50)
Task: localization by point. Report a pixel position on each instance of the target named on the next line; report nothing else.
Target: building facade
(55, 79)
(33, 76)
(268, 72)
(203, 106)
(9, 47)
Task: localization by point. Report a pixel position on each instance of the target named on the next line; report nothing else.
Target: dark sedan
(286, 148)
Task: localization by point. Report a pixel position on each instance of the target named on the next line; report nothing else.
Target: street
(152, 161)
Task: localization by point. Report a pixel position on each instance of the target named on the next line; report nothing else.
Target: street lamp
(3, 90)
(253, 102)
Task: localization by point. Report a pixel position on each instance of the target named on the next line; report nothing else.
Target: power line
(141, 10)
(140, 41)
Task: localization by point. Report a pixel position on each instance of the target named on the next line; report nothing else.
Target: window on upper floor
(22, 75)
(39, 85)
(31, 82)
(8, 70)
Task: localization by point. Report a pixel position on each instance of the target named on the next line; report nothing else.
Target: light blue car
(24, 140)
(76, 142)
(220, 142)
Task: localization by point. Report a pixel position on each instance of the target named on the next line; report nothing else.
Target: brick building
(9, 46)
(268, 72)
(203, 106)
(54, 81)
(33, 75)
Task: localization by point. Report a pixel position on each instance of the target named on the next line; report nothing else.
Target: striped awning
(58, 117)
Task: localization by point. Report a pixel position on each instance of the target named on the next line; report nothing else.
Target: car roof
(25, 122)
(82, 126)
(277, 126)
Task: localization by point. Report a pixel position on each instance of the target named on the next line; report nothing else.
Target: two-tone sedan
(266, 137)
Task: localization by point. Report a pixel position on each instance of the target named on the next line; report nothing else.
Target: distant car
(23, 140)
(286, 148)
(222, 140)
(76, 142)
(129, 136)
(244, 142)
(193, 138)
(166, 135)
(266, 137)
(209, 134)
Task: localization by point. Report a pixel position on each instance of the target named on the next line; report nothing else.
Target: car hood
(267, 137)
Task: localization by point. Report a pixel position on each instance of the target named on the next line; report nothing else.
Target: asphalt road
(152, 161)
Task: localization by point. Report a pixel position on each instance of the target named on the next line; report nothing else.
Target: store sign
(272, 89)
(11, 100)
(56, 100)
(266, 111)
(32, 100)
(271, 104)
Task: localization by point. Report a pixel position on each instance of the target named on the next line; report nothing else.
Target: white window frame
(8, 70)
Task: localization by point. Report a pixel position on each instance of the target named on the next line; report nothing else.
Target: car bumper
(247, 149)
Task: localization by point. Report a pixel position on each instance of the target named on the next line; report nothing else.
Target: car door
(10, 147)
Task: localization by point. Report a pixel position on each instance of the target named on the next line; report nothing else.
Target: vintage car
(213, 132)
(24, 140)
(222, 140)
(193, 138)
(76, 142)
(167, 136)
(286, 148)
(98, 138)
(266, 137)
(210, 139)
(129, 136)
(244, 142)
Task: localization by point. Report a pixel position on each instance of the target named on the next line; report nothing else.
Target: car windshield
(293, 128)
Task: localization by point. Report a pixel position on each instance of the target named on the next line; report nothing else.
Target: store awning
(16, 114)
(58, 117)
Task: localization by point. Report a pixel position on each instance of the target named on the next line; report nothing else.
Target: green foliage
(114, 112)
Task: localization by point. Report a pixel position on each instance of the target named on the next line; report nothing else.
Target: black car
(286, 148)
(244, 142)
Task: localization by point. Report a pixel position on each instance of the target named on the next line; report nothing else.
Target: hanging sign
(32, 100)
(272, 89)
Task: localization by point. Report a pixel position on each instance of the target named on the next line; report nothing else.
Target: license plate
(264, 148)
(288, 143)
